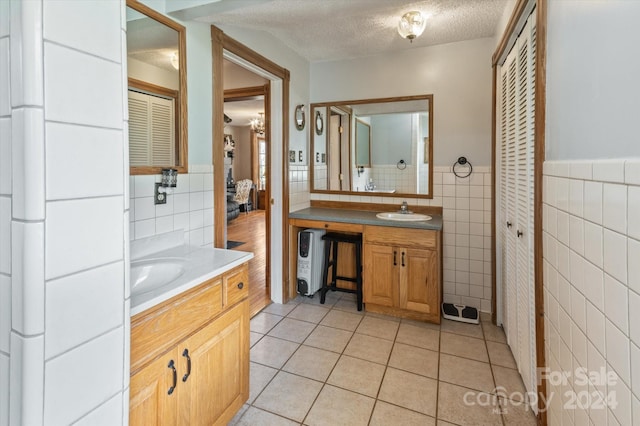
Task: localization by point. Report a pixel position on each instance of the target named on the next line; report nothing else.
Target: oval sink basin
(403, 217)
(151, 274)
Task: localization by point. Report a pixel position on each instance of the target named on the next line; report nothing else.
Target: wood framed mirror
(381, 147)
(157, 89)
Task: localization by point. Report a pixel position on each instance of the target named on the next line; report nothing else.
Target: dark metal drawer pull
(185, 353)
(172, 366)
(240, 285)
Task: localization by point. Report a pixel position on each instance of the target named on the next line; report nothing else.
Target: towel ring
(401, 165)
(462, 161)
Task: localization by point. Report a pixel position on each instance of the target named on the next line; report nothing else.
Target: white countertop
(200, 264)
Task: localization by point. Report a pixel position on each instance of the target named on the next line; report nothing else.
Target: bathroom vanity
(402, 259)
(190, 340)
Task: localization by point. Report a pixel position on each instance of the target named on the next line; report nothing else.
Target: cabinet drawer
(329, 226)
(405, 237)
(156, 330)
(236, 285)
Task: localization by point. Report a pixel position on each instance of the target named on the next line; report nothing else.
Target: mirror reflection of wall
(400, 148)
(320, 150)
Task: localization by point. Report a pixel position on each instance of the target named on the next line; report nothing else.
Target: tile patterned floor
(329, 364)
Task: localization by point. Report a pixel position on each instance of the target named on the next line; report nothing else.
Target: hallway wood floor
(251, 229)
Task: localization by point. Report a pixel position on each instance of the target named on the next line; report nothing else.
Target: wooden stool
(332, 240)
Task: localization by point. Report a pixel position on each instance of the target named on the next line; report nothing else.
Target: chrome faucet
(404, 208)
(369, 186)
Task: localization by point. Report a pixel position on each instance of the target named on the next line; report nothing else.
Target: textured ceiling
(323, 30)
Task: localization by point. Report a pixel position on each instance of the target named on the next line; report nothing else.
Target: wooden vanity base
(403, 313)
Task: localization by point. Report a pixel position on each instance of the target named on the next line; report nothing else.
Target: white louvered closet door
(515, 221)
(151, 130)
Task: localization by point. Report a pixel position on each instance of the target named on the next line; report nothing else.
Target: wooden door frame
(539, 141)
(219, 43)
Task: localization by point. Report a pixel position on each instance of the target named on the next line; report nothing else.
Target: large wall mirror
(374, 147)
(157, 75)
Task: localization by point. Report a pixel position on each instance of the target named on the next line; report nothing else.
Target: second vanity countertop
(200, 264)
(364, 218)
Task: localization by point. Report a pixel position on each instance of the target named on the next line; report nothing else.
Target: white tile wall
(70, 324)
(27, 271)
(5, 155)
(85, 377)
(72, 95)
(299, 186)
(101, 151)
(108, 414)
(5, 211)
(26, 385)
(4, 388)
(82, 234)
(5, 314)
(28, 162)
(63, 205)
(189, 207)
(98, 17)
(467, 208)
(603, 282)
(26, 59)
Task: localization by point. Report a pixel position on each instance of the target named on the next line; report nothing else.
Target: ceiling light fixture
(174, 61)
(411, 25)
(257, 124)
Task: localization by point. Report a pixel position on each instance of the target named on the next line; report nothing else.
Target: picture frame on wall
(292, 156)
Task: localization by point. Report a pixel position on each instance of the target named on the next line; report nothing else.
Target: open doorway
(246, 155)
(276, 142)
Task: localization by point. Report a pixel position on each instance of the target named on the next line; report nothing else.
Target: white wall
(591, 236)
(271, 48)
(189, 208)
(592, 83)
(63, 213)
(592, 289)
(459, 77)
(152, 74)
(457, 74)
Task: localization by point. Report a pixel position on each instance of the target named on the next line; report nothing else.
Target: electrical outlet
(159, 197)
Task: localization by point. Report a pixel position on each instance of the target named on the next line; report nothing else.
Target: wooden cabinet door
(218, 383)
(419, 280)
(150, 402)
(380, 274)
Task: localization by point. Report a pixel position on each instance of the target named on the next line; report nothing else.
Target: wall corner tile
(27, 60)
(26, 381)
(28, 291)
(632, 172)
(28, 160)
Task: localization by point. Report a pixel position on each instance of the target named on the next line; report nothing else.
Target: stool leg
(334, 263)
(325, 272)
(359, 275)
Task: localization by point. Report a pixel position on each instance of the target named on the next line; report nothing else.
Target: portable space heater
(310, 261)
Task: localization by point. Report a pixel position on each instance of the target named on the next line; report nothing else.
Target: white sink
(403, 217)
(151, 274)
